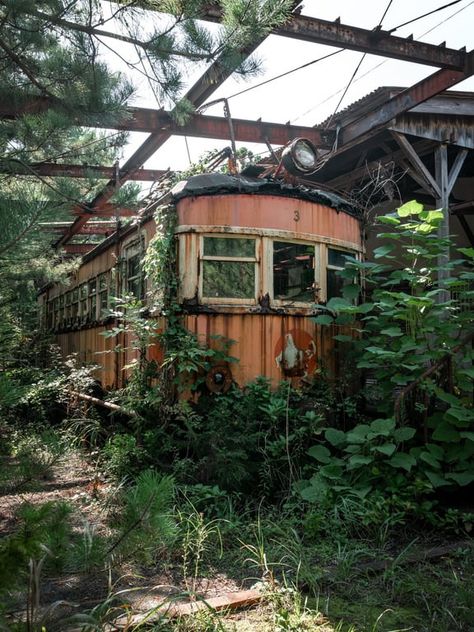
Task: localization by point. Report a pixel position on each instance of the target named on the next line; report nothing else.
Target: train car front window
(293, 272)
(228, 268)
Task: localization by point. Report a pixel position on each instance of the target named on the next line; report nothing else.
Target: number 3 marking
(296, 215)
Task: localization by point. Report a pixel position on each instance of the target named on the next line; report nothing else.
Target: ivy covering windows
(229, 268)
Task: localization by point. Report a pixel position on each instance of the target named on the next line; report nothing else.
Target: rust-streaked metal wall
(266, 334)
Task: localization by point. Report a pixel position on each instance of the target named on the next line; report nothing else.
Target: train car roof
(220, 183)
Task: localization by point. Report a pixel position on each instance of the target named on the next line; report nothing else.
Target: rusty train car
(254, 255)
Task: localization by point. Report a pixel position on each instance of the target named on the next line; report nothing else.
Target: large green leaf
(445, 432)
(404, 434)
(403, 461)
(335, 437)
(358, 460)
(410, 208)
(320, 453)
(383, 426)
(435, 479)
(351, 291)
(331, 471)
(390, 220)
(461, 478)
(386, 448)
(392, 332)
(323, 319)
(358, 434)
(429, 458)
(383, 251)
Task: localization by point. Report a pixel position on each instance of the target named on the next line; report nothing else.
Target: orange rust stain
(268, 212)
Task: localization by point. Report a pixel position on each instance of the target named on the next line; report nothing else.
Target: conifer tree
(58, 71)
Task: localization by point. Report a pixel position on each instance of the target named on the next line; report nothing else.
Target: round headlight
(300, 157)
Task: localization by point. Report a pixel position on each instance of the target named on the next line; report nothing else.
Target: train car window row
(295, 273)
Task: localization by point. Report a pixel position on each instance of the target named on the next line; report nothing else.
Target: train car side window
(294, 267)
(229, 269)
(103, 289)
(93, 299)
(134, 281)
(83, 307)
(75, 303)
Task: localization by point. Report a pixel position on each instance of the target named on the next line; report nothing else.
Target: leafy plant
(411, 337)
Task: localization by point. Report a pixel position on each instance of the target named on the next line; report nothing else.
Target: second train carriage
(254, 256)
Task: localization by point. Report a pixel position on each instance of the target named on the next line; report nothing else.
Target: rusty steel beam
(199, 125)
(78, 249)
(52, 169)
(91, 228)
(373, 42)
(404, 101)
(204, 126)
(105, 209)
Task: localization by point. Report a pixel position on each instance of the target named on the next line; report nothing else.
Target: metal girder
(374, 42)
(199, 125)
(203, 126)
(91, 228)
(53, 169)
(105, 209)
(78, 249)
(404, 101)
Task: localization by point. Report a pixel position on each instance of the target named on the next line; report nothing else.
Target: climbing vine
(185, 361)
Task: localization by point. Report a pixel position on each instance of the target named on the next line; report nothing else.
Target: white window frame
(222, 300)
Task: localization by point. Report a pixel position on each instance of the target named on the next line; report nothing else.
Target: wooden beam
(456, 168)
(417, 163)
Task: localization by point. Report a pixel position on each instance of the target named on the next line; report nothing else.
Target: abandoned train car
(253, 257)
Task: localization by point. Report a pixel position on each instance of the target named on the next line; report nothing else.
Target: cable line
(445, 6)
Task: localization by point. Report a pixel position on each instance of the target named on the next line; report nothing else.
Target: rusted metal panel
(269, 213)
(277, 347)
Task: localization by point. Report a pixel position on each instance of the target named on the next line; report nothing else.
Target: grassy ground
(326, 578)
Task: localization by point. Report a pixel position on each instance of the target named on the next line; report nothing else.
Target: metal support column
(442, 202)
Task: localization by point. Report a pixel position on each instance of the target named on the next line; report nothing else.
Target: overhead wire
(425, 15)
(356, 70)
(373, 68)
(284, 74)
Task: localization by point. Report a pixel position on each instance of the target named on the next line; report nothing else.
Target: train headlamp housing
(300, 157)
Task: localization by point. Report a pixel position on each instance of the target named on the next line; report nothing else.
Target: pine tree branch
(24, 68)
(91, 30)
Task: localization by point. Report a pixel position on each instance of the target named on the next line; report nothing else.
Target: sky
(310, 95)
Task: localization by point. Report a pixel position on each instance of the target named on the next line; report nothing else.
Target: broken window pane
(228, 247)
(337, 258)
(228, 279)
(293, 271)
